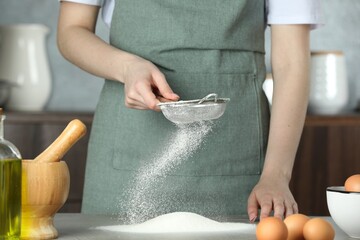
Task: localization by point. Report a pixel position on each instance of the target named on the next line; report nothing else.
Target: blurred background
(74, 90)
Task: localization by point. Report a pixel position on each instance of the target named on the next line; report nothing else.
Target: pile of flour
(142, 204)
(182, 222)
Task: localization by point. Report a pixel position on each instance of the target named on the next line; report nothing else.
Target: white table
(77, 226)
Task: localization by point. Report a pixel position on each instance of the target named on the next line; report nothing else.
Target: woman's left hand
(271, 194)
(290, 58)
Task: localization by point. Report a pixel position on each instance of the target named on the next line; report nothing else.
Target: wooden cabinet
(328, 153)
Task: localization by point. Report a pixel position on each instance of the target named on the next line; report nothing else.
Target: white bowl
(344, 208)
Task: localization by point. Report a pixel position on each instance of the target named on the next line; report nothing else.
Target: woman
(164, 50)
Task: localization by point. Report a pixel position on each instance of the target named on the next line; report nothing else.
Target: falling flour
(182, 144)
(182, 222)
(142, 204)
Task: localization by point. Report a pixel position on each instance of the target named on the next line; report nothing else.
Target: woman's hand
(271, 194)
(145, 85)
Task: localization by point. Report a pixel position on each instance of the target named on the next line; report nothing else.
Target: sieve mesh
(183, 112)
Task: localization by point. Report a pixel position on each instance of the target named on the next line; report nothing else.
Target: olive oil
(10, 187)
(10, 198)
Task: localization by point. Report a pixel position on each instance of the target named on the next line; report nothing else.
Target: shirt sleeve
(89, 2)
(294, 12)
(106, 5)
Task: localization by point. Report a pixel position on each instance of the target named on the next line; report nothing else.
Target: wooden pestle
(71, 134)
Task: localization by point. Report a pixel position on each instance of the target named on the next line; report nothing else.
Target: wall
(342, 32)
(73, 89)
(78, 91)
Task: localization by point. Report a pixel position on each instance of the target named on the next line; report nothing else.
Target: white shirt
(278, 11)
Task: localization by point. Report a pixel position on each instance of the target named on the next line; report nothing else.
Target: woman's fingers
(148, 97)
(266, 206)
(279, 208)
(253, 207)
(282, 208)
(291, 208)
(163, 86)
(142, 93)
(270, 203)
(145, 85)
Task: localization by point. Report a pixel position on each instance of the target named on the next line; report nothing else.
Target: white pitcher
(329, 92)
(24, 62)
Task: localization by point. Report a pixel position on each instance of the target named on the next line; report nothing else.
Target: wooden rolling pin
(71, 134)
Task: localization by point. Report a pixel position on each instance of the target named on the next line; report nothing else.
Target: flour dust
(142, 204)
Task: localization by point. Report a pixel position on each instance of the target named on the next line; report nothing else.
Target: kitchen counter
(74, 226)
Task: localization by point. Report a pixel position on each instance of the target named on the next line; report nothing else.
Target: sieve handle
(209, 96)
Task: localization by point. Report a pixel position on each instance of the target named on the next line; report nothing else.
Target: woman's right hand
(145, 85)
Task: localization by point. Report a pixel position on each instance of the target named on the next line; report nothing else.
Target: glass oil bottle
(10, 187)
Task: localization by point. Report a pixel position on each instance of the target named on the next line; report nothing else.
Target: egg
(271, 228)
(318, 229)
(352, 184)
(295, 225)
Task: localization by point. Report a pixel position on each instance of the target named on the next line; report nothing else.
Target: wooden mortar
(45, 189)
(46, 184)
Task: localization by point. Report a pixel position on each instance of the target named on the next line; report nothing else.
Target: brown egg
(318, 229)
(271, 228)
(295, 225)
(352, 184)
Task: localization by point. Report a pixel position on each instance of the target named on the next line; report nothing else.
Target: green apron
(202, 46)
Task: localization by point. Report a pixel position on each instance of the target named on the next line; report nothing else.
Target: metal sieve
(182, 112)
